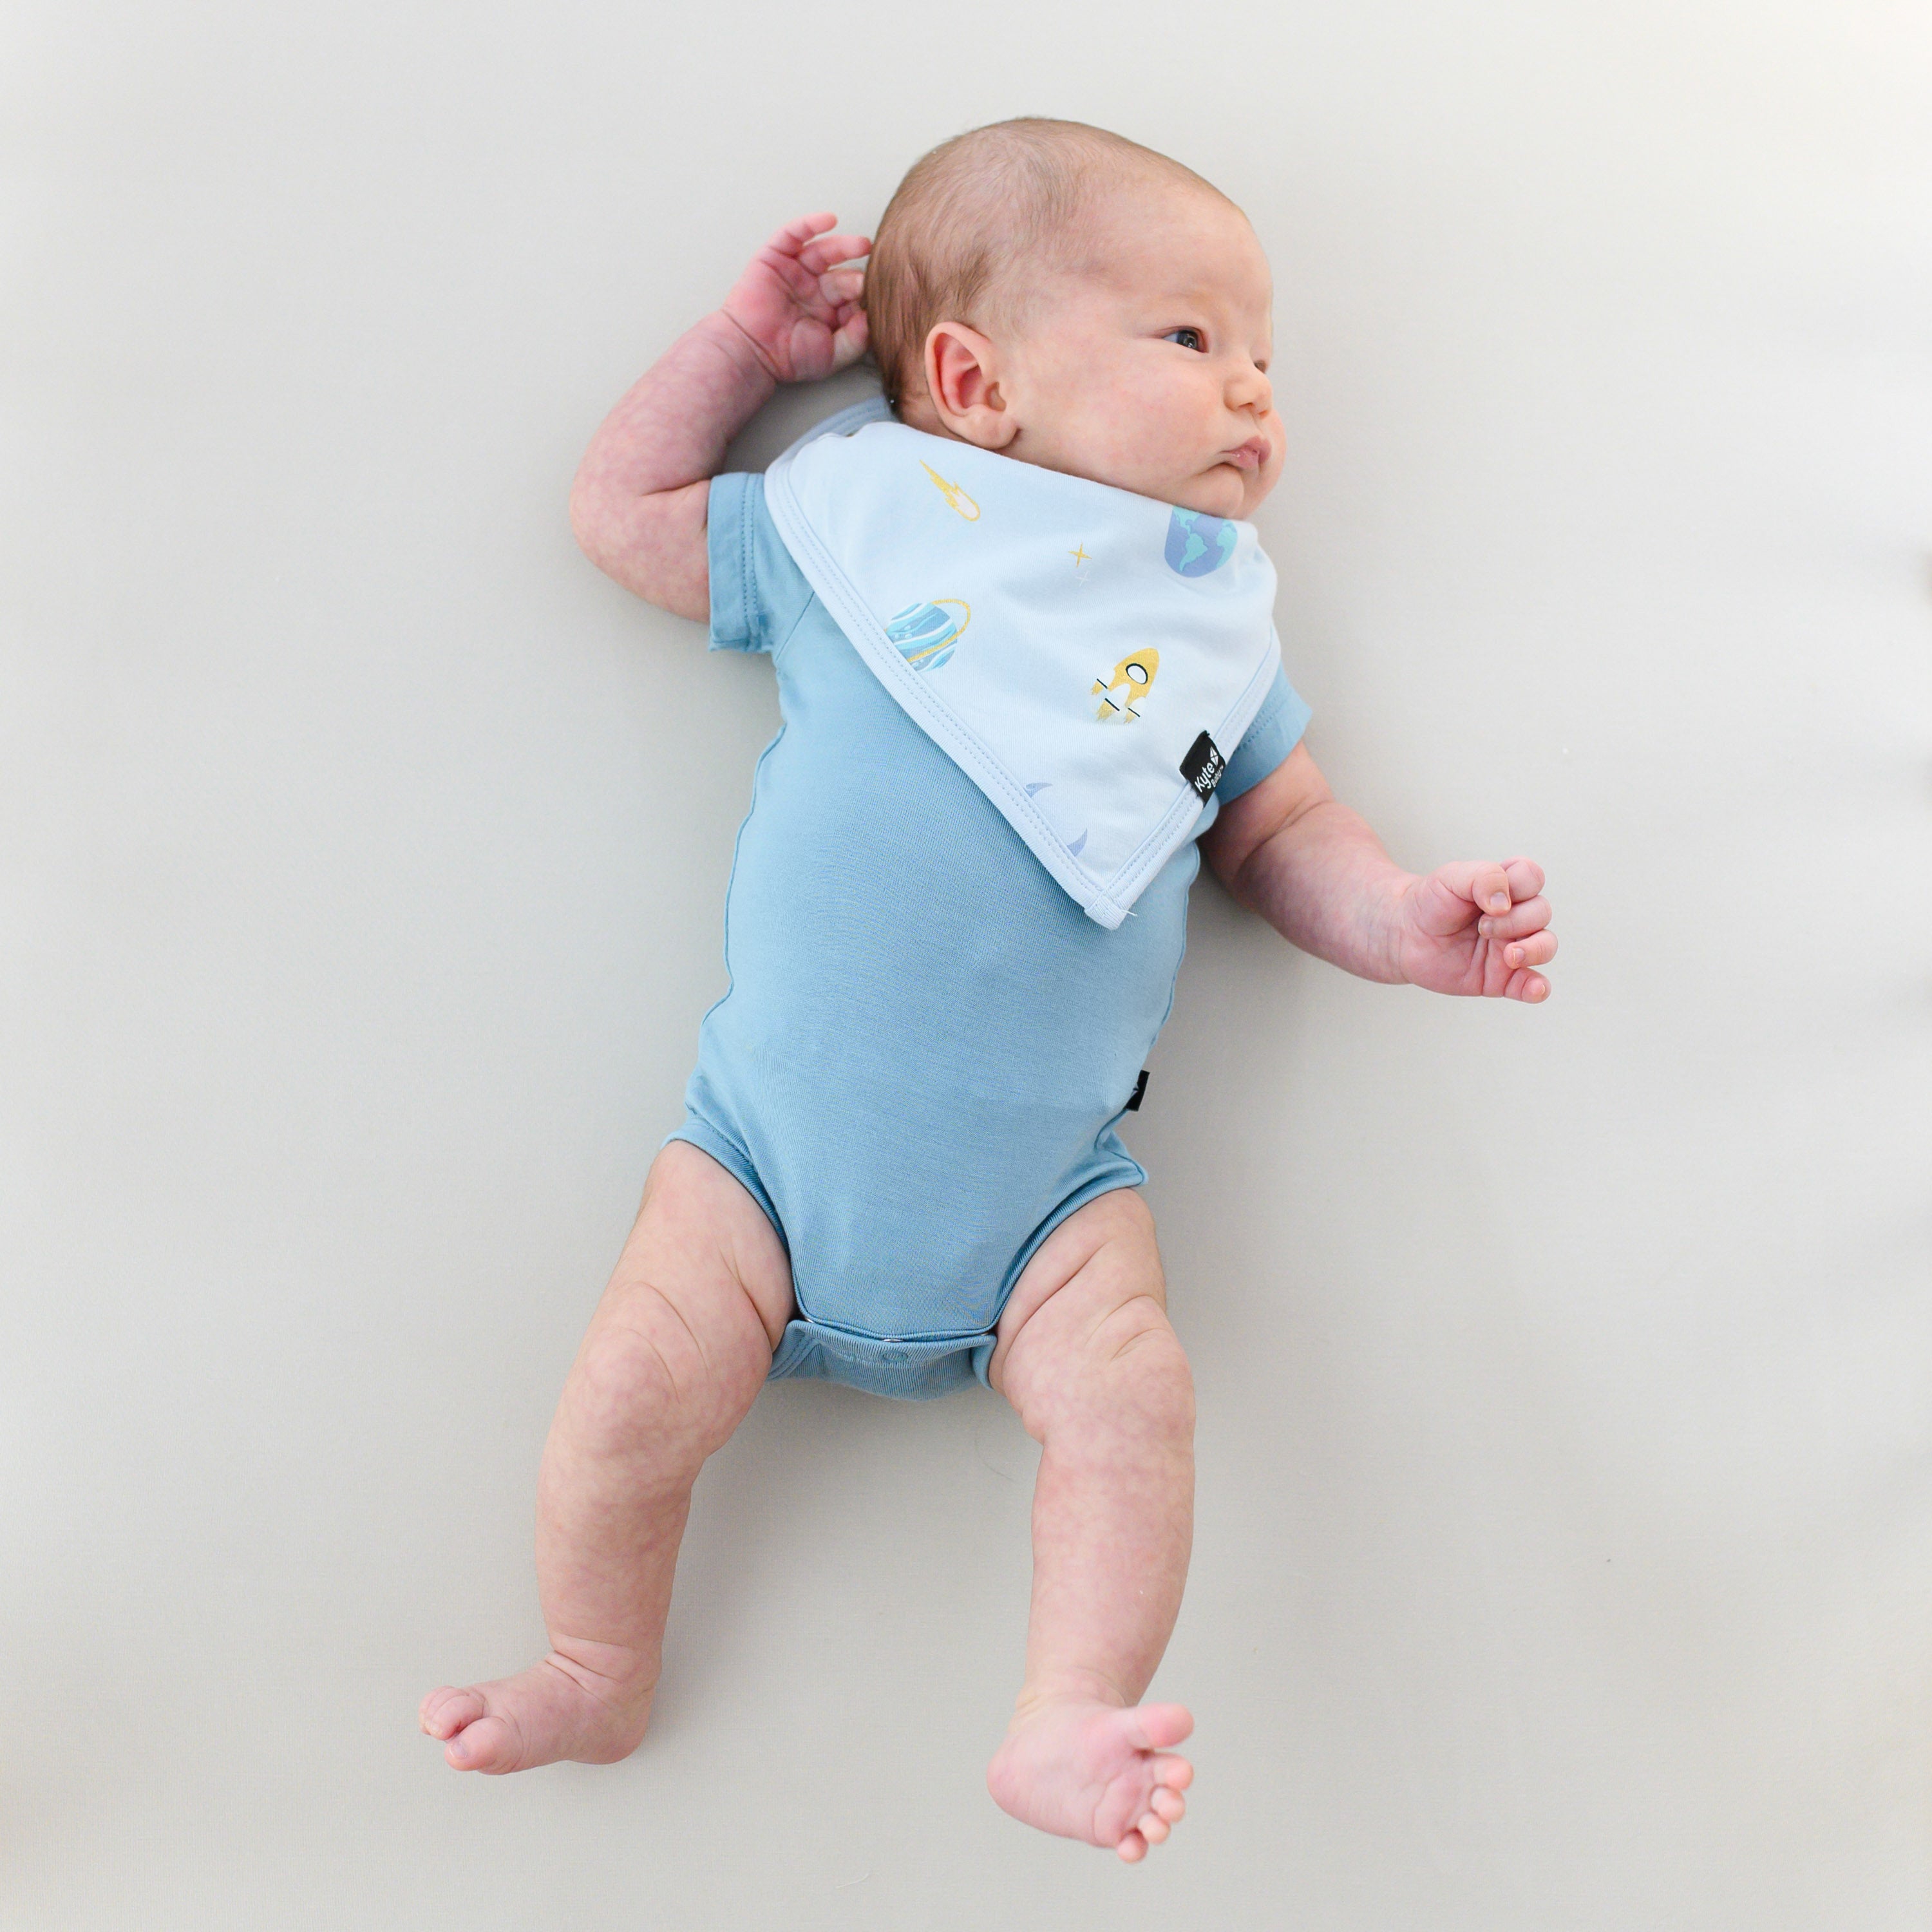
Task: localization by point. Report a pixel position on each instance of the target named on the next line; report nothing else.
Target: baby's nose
(1250, 389)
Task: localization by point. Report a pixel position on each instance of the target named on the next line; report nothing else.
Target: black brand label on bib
(1139, 1092)
(1203, 766)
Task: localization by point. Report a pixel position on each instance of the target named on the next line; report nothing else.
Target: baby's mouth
(1251, 455)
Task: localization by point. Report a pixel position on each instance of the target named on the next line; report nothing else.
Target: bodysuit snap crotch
(925, 1351)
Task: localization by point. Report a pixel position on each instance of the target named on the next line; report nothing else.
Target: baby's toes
(489, 1744)
(1133, 1847)
(1152, 1827)
(1167, 1804)
(445, 1711)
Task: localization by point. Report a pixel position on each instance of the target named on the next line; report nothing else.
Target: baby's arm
(1317, 874)
(638, 504)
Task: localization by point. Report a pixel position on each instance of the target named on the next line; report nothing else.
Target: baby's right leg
(676, 1353)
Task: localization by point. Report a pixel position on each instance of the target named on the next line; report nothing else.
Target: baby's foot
(1089, 1770)
(558, 1709)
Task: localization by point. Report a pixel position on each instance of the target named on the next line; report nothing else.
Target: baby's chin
(1222, 491)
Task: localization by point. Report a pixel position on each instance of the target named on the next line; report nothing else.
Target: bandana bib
(1088, 658)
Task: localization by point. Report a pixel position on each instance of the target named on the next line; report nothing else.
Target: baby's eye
(1188, 338)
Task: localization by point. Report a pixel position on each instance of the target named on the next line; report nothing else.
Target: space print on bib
(926, 633)
(1132, 680)
(946, 566)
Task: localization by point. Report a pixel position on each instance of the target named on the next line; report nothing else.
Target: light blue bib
(1088, 658)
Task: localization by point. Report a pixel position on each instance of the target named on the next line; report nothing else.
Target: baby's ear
(963, 383)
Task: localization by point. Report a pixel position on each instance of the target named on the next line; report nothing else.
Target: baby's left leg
(1086, 1356)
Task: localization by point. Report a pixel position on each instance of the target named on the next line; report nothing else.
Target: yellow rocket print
(1133, 677)
(953, 494)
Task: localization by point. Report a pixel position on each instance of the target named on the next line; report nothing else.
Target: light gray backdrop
(1565, 1446)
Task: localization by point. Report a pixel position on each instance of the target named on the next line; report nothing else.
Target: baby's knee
(644, 1381)
(1118, 1363)
(1137, 1355)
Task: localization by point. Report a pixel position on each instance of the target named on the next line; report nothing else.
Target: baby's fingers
(795, 237)
(848, 342)
(1525, 876)
(842, 287)
(829, 251)
(1518, 922)
(1480, 881)
(1538, 949)
(1532, 988)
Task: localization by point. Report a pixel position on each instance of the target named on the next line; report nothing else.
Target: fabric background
(1563, 1554)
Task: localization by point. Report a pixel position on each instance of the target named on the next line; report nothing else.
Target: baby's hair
(968, 211)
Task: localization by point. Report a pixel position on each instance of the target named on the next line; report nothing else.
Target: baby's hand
(797, 308)
(1476, 927)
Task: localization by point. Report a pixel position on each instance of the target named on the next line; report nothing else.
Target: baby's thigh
(1091, 1299)
(700, 1296)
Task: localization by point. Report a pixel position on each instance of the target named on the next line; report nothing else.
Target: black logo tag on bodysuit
(1140, 1087)
(1203, 766)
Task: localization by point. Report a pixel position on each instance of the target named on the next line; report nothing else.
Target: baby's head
(1053, 292)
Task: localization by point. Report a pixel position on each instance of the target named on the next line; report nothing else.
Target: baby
(1021, 629)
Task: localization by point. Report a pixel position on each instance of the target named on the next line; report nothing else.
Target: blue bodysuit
(926, 1047)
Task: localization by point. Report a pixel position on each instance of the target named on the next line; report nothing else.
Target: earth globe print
(1198, 543)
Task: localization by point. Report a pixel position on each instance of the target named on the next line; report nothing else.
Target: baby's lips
(1252, 454)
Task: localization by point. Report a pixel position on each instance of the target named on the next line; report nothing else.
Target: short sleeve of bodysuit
(758, 594)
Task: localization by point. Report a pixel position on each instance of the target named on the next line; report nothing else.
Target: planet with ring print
(926, 633)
